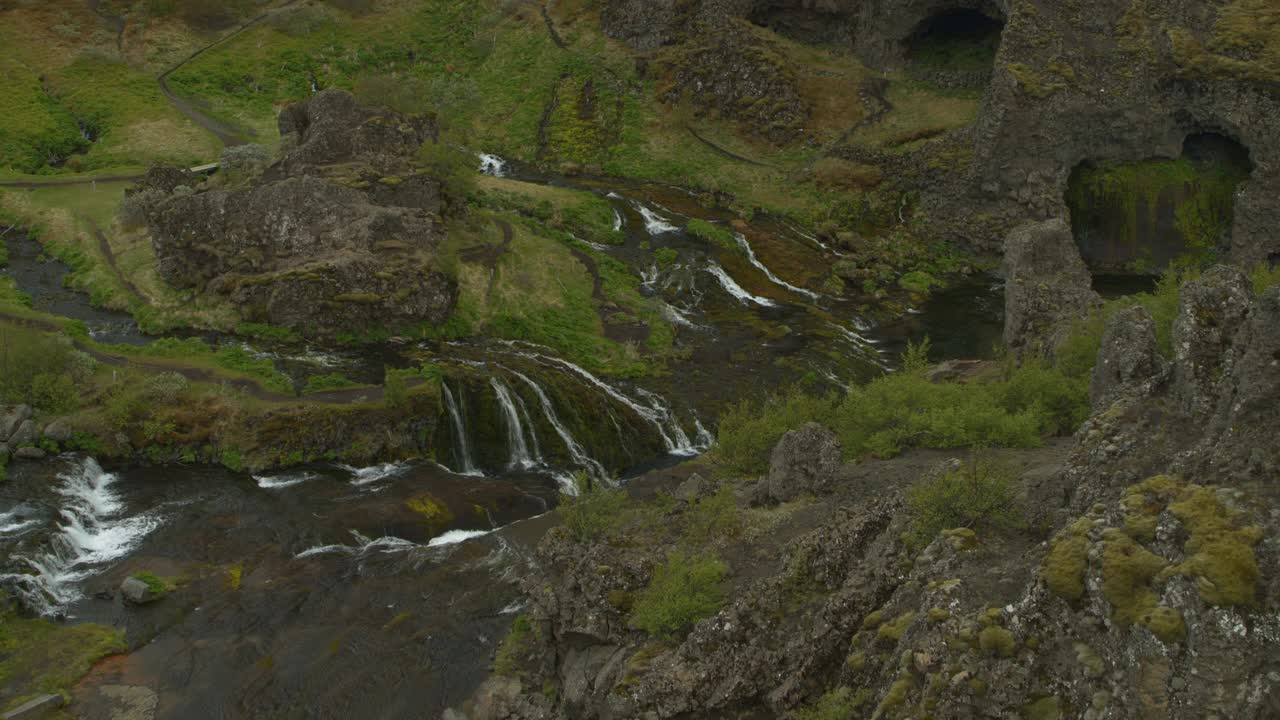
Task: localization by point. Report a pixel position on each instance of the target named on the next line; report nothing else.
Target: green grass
(322, 383)
(682, 591)
(33, 125)
(904, 410)
(40, 656)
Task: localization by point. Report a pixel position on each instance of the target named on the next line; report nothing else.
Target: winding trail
(872, 91)
(104, 246)
(723, 151)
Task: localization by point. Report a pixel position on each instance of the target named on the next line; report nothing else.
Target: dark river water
(327, 591)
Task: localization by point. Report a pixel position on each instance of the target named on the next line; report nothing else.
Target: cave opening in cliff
(1134, 220)
(804, 24)
(958, 42)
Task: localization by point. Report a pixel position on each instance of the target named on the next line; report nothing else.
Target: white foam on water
(617, 220)
(92, 532)
(736, 290)
(284, 480)
(492, 165)
(751, 256)
(374, 473)
(454, 537)
(362, 546)
(654, 223)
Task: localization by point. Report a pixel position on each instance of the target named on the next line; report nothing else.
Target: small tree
(684, 590)
(395, 392)
(594, 511)
(979, 494)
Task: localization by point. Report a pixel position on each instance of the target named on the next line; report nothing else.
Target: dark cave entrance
(956, 46)
(805, 25)
(1136, 219)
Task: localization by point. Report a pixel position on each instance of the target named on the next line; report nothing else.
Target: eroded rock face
(1129, 361)
(1047, 287)
(339, 235)
(1212, 310)
(805, 460)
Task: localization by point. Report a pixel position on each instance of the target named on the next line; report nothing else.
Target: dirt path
(28, 185)
(727, 153)
(872, 91)
(551, 27)
(105, 248)
(226, 134)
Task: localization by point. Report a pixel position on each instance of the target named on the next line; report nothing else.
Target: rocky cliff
(339, 233)
(1072, 86)
(1145, 587)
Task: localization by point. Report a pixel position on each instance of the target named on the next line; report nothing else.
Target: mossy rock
(1064, 566)
(435, 514)
(997, 642)
(890, 633)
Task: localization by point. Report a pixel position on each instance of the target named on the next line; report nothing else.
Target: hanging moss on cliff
(1244, 44)
(1121, 211)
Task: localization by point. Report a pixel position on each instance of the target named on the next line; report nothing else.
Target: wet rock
(644, 24)
(1047, 287)
(26, 433)
(136, 591)
(58, 431)
(804, 460)
(1211, 310)
(1129, 360)
(29, 453)
(11, 418)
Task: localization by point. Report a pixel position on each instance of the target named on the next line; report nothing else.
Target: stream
(321, 591)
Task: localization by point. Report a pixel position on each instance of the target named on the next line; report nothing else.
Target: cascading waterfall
(576, 452)
(92, 532)
(656, 413)
(461, 447)
(654, 223)
(736, 290)
(751, 257)
(520, 455)
(492, 165)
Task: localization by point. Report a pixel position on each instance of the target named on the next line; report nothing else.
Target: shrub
(683, 590)
(841, 703)
(714, 517)
(165, 388)
(395, 392)
(748, 430)
(55, 393)
(321, 383)
(35, 368)
(454, 168)
(594, 511)
(978, 495)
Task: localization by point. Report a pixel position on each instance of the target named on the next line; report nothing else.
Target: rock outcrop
(805, 460)
(1129, 360)
(341, 233)
(1211, 311)
(1047, 287)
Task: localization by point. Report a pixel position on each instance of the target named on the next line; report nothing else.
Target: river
(322, 591)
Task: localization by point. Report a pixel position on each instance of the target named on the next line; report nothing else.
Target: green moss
(997, 641)
(897, 695)
(874, 620)
(714, 234)
(40, 656)
(435, 512)
(937, 615)
(841, 703)
(157, 585)
(1220, 549)
(1128, 570)
(1064, 566)
(918, 282)
(891, 632)
(1165, 623)
(856, 661)
(1047, 708)
(507, 661)
(961, 538)
(1090, 660)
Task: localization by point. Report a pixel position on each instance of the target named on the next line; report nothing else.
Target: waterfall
(460, 446)
(617, 220)
(735, 289)
(654, 223)
(576, 453)
(520, 455)
(751, 256)
(92, 532)
(656, 413)
(492, 165)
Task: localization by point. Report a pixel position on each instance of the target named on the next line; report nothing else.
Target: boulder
(29, 453)
(1212, 309)
(26, 433)
(58, 431)
(1129, 361)
(331, 127)
(136, 591)
(692, 488)
(11, 418)
(1047, 287)
(1252, 397)
(804, 460)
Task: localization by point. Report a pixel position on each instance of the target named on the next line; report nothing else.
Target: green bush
(454, 168)
(54, 393)
(395, 391)
(666, 257)
(979, 495)
(683, 590)
(321, 383)
(715, 516)
(841, 703)
(594, 512)
(39, 369)
(748, 430)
